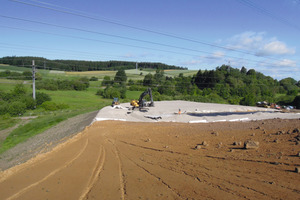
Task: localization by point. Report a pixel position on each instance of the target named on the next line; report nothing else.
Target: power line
(109, 35)
(136, 46)
(78, 13)
(268, 13)
(75, 13)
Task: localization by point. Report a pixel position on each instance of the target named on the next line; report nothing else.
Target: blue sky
(198, 34)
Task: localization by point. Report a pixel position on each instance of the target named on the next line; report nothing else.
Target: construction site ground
(197, 154)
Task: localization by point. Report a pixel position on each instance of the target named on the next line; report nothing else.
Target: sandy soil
(130, 160)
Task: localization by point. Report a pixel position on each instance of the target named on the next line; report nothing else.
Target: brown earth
(129, 160)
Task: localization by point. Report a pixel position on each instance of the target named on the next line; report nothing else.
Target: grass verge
(36, 126)
(7, 122)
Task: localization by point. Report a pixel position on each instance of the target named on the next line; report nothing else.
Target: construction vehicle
(141, 103)
(115, 102)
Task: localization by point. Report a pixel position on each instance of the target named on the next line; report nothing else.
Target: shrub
(17, 108)
(41, 98)
(100, 92)
(3, 107)
(29, 102)
(19, 90)
(49, 106)
(93, 78)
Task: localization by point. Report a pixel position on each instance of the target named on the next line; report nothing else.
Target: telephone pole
(136, 67)
(33, 79)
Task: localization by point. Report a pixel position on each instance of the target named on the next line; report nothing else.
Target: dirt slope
(128, 160)
(45, 141)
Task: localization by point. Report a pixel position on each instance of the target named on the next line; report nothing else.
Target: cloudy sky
(198, 34)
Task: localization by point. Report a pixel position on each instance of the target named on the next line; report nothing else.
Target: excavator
(141, 103)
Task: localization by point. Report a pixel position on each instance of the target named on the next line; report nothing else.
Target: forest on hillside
(77, 65)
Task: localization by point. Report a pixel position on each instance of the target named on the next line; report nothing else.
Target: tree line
(222, 85)
(80, 65)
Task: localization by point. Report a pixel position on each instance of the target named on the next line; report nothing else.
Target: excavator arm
(141, 99)
(141, 102)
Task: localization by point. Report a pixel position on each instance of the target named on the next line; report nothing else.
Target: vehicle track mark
(16, 195)
(121, 176)
(156, 177)
(255, 161)
(153, 149)
(227, 190)
(96, 173)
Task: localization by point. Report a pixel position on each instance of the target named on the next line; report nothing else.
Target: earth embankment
(129, 160)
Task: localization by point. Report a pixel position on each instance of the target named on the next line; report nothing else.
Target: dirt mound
(128, 160)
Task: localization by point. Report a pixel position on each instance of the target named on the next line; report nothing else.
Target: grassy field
(78, 101)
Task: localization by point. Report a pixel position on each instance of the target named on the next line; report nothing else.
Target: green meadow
(78, 102)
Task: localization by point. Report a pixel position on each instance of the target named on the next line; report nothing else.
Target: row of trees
(63, 84)
(26, 75)
(222, 85)
(75, 65)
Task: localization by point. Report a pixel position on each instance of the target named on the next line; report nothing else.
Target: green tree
(159, 76)
(106, 81)
(120, 77)
(244, 70)
(296, 102)
(148, 80)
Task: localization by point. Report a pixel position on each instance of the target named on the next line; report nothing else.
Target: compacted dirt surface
(165, 160)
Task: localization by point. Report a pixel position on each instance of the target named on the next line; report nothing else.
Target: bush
(100, 92)
(29, 102)
(17, 108)
(3, 107)
(51, 106)
(111, 92)
(93, 78)
(41, 98)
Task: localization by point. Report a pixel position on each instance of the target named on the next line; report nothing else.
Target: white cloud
(286, 63)
(247, 40)
(259, 44)
(275, 48)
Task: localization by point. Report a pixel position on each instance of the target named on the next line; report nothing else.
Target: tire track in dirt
(95, 174)
(255, 161)
(121, 176)
(153, 149)
(16, 195)
(156, 177)
(209, 175)
(226, 189)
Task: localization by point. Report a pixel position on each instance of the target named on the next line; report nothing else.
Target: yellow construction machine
(141, 103)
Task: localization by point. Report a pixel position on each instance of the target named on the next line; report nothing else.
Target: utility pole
(136, 67)
(33, 79)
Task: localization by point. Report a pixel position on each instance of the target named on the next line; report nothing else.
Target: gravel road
(45, 141)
